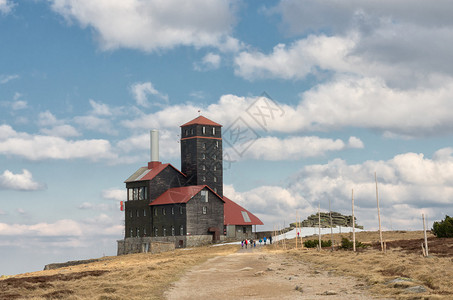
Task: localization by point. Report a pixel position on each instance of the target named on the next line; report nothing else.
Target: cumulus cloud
(96, 123)
(141, 90)
(409, 184)
(19, 182)
(39, 147)
(6, 78)
(153, 25)
(101, 109)
(293, 148)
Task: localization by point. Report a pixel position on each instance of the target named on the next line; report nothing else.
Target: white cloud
(210, 61)
(152, 25)
(409, 184)
(6, 78)
(141, 90)
(293, 148)
(100, 108)
(97, 124)
(115, 194)
(6, 7)
(39, 147)
(20, 182)
(61, 131)
(47, 119)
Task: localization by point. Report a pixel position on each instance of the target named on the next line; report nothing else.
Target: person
(260, 241)
(245, 243)
(242, 244)
(254, 244)
(270, 239)
(264, 239)
(298, 234)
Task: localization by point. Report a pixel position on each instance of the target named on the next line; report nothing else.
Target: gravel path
(255, 274)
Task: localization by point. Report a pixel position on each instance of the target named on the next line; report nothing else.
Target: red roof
(180, 195)
(201, 121)
(234, 214)
(148, 173)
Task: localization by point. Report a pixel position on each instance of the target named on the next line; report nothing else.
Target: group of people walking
(252, 243)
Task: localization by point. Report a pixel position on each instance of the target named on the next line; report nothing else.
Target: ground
(256, 274)
(280, 271)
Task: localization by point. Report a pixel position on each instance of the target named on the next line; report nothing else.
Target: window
(205, 210)
(204, 196)
(180, 210)
(144, 212)
(203, 167)
(131, 233)
(172, 210)
(214, 157)
(203, 145)
(203, 178)
(204, 130)
(138, 213)
(138, 231)
(164, 231)
(144, 231)
(214, 168)
(156, 231)
(181, 230)
(186, 132)
(217, 144)
(135, 194)
(215, 190)
(203, 156)
(141, 193)
(191, 131)
(130, 194)
(215, 179)
(244, 229)
(173, 230)
(213, 130)
(163, 211)
(155, 211)
(131, 214)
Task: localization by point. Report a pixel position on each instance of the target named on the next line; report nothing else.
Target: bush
(443, 228)
(315, 243)
(347, 244)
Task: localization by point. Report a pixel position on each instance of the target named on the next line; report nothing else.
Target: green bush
(347, 244)
(443, 228)
(315, 243)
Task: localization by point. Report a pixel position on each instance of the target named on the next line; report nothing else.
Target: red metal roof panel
(234, 214)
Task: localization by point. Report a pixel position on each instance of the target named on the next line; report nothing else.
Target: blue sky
(349, 88)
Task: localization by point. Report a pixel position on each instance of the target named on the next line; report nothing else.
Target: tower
(201, 153)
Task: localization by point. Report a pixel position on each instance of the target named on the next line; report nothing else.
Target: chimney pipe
(154, 145)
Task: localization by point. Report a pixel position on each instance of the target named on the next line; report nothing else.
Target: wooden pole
(353, 223)
(331, 227)
(426, 238)
(379, 213)
(319, 227)
(297, 228)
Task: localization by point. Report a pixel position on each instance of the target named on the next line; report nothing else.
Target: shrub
(315, 243)
(443, 228)
(347, 244)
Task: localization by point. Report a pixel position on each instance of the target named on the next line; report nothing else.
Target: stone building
(183, 208)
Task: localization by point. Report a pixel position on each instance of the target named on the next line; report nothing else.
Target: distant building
(184, 207)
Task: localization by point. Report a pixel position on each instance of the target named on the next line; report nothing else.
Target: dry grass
(135, 276)
(378, 268)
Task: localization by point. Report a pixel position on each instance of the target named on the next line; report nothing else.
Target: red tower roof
(201, 121)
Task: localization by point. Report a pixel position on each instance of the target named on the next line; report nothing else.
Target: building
(187, 207)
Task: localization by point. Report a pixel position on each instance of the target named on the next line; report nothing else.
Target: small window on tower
(138, 231)
(181, 230)
(186, 132)
(163, 211)
(204, 130)
(180, 210)
(191, 131)
(214, 168)
(203, 167)
(131, 233)
(138, 213)
(156, 231)
(213, 130)
(203, 156)
(155, 211)
(144, 212)
(214, 157)
(217, 144)
(215, 179)
(173, 230)
(164, 231)
(203, 178)
(204, 145)
(205, 210)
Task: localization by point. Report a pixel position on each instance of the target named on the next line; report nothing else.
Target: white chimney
(154, 145)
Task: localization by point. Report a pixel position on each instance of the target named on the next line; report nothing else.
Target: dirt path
(255, 274)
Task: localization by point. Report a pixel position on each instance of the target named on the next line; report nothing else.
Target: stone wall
(143, 245)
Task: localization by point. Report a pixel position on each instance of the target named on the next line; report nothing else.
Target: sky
(324, 94)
